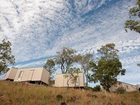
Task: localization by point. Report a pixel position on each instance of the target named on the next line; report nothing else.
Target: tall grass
(23, 94)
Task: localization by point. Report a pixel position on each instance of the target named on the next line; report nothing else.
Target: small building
(65, 80)
(10, 75)
(32, 75)
(138, 87)
(126, 86)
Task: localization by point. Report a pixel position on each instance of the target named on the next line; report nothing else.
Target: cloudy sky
(39, 28)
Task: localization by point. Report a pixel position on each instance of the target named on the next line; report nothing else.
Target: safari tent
(65, 80)
(10, 75)
(32, 75)
(126, 86)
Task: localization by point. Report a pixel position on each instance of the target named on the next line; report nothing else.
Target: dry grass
(22, 94)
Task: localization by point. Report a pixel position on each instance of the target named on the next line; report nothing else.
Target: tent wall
(63, 80)
(126, 86)
(10, 75)
(37, 74)
(45, 76)
(32, 74)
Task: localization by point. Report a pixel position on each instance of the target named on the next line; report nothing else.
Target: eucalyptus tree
(108, 66)
(65, 58)
(50, 66)
(134, 22)
(84, 61)
(6, 57)
(72, 76)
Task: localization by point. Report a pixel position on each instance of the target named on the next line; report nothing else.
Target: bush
(97, 88)
(59, 97)
(120, 90)
(88, 88)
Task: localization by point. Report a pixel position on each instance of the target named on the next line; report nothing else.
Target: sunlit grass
(23, 94)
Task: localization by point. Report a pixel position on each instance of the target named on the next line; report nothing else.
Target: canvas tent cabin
(10, 75)
(138, 87)
(64, 80)
(127, 87)
(32, 75)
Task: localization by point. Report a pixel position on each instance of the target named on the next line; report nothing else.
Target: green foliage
(49, 65)
(73, 74)
(6, 56)
(138, 2)
(97, 88)
(134, 11)
(108, 51)
(65, 59)
(108, 67)
(84, 61)
(59, 97)
(134, 24)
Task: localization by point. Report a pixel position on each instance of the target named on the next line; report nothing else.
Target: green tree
(6, 56)
(72, 75)
(134, 22)
(50, 66)
(65, 59)
(84, 61)
(108, 67)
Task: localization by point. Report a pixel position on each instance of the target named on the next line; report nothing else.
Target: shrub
(88, 88)
(97, 88)
(120, 90)
(59, 97)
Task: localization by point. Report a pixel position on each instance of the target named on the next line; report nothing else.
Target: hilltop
(26, 94)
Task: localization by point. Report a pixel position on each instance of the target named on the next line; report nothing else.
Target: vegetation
(66, 59)
(105, 70)
(134, 23)
(24, 94)
(6, 56)
(72, 76)
(108, 66)
(97, 88)
(49, 65)
(84, 61)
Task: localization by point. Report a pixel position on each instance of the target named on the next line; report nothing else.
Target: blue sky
(39, 29)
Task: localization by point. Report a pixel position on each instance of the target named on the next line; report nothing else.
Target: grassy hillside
(23, 94)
